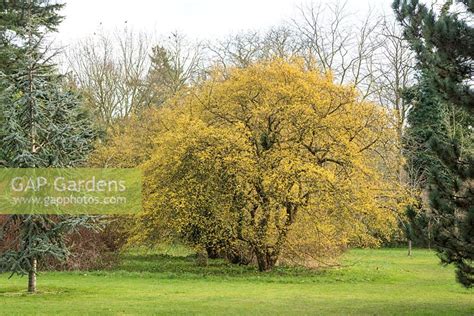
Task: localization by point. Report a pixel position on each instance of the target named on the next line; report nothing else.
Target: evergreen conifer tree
(440, 139)
(16, 15)
(43, 126)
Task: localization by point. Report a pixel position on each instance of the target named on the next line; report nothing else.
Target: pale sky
(203, 19)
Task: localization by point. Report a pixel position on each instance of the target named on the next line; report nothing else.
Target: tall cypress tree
(43, 126)
(440, 138)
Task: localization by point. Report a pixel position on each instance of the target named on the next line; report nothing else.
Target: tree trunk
(429, 234)
(409, 247)
(201, 258)
(32, 276)
(265, 261)
(240, 255)
(212, 252)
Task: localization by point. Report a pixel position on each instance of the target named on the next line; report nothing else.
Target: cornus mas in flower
(273, 161)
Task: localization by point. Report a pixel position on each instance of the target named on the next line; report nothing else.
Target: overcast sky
(204, 19)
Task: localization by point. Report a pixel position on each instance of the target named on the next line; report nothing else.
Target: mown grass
(369, 282)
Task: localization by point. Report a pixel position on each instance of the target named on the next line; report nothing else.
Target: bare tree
(175, 63)
(395, 72)
(239, 50)
(242, 49)
(330, 39)
(281, 41)
(111, 70)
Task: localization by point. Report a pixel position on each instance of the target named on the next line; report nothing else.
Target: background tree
(175, 64)
(122, 74)
(441, 123)
(237, 50)
(243, 49)
(110, 71)
(44, 126)
(330, 40)
(394, 73)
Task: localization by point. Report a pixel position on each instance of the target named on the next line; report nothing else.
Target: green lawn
(370, 282)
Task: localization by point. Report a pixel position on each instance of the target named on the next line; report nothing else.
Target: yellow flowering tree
(274, 160)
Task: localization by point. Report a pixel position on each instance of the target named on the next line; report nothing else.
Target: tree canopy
(273, 161)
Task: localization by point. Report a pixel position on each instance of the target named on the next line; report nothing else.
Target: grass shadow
(17, 291)
(172, 266)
